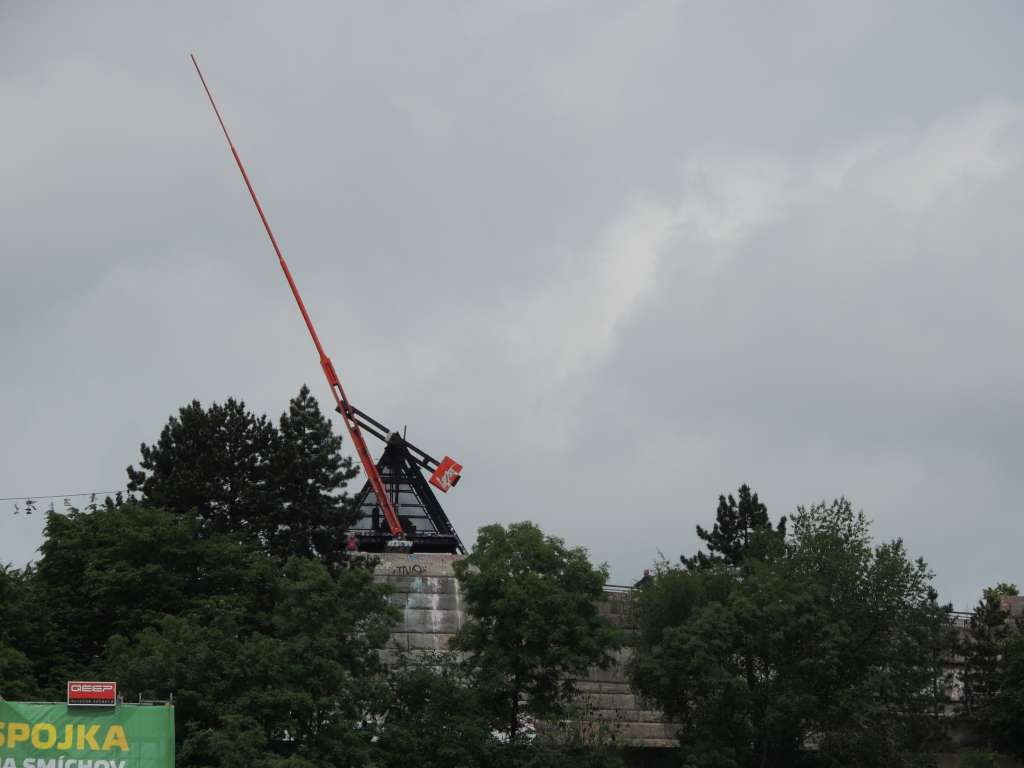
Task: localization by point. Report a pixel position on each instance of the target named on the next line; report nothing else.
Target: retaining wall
(428, 594)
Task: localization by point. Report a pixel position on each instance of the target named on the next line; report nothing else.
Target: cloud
(616, 259)
(835, 324)
(570, 322)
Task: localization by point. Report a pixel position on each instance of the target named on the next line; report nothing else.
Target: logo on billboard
(91, 694)
(447, 474)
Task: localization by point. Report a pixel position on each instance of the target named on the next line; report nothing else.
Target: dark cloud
(617, 259)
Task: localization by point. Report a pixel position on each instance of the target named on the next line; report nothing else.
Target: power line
(63, 495)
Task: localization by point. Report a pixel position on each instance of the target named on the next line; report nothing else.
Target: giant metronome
(397, 508)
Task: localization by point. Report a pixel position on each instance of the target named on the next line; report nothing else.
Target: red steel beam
(325, 362)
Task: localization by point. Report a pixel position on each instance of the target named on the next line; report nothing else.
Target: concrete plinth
(427, 593)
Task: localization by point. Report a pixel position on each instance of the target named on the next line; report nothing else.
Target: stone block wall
(606, 699)
(427, 593)
(428, 596)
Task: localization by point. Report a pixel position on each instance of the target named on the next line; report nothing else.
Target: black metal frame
(384, 434)
(400, 470)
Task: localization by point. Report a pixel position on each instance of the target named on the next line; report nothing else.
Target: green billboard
(59, 736)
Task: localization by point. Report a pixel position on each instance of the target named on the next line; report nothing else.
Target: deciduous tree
(823, 650)
(17, 676)
(533, 622)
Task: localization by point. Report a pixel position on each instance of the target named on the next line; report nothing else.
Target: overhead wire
(30, 502)
(62, 495)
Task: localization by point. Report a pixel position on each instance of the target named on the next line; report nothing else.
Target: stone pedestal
(427, 593)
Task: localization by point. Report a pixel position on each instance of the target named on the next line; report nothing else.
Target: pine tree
(309, 476)
(982, 649)
(214, 463)
(734, 535)
(282, 486)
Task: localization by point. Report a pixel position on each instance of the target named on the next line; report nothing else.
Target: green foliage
(542, 753)
(308, 473)
(1008, 707)
(982, 650)
(117, 569)
(534, 622)
(237, 472)
(299, 674)
(992, 650)
(1000, 590)
(826, 639)
(742, 530)
(17, 678)
(214, 462)
(978, 758)
(270, 662)
(431, 709)
(225, 585)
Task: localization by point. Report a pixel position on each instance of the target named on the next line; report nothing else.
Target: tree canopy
(1008, 707)
(533, 622)
(222, 582)
(741, 525)
(821, 649)
(992, 653)
(283, 485)
(16, 625)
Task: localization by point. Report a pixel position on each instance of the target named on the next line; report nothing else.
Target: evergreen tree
(308, 471)
(283, 486)
(214, 462)
(982, 648)
(735, 534)
(1008, 706)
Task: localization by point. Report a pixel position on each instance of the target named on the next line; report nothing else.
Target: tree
(738, 524)
(17, 676)
(978, 758)
(232, 596)
(993, 670)
(431, 709)
(1008, 707)
(118, 569)
(213, 462)
(822, 639)
(271, 661)
(308, 471)
(533, 622)
(289, 677)
(283, 485)
(982, 649)
(1001, 590)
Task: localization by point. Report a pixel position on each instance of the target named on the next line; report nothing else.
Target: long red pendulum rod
(325, 362)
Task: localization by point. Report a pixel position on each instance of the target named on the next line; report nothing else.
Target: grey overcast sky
(617, 258)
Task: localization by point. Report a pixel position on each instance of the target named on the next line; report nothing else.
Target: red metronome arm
(325, 362)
